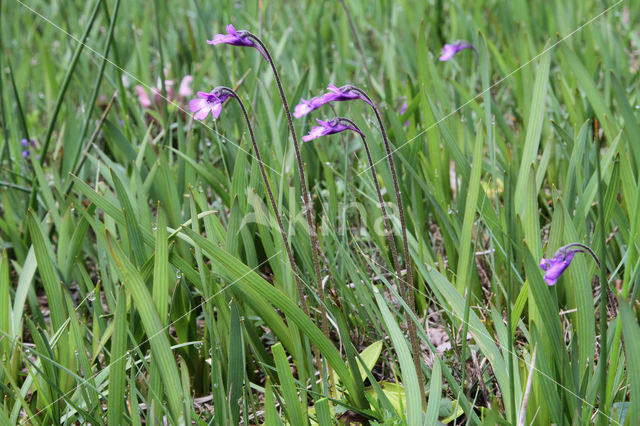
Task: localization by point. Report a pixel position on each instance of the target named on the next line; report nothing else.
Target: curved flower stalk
(245, 38)
(561, 260)
(554, 268)
(212, 102)
(338, 125)
(349, 92)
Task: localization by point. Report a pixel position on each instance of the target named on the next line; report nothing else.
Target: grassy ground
(143, 275)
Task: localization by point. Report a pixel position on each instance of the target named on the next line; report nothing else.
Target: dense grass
(144, 279)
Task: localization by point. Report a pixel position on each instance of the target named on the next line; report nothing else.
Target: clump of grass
(143, 278)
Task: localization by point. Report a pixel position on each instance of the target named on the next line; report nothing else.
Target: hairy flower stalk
(406, 288)
(349, 92)
(222, 93)
(245, 38)
(340, 124)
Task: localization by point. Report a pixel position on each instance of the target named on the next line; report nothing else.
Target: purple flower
(403, 109)
(555, 267)
(339, 94)
(236, 38)
(334, 94)
(451, 49)
(207, 102)
(25, 143)
(306, 106)
(326, 128)
(148, 103)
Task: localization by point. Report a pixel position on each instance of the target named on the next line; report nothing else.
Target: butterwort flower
(327, 128)
(236, 38)
(147, 102)
(334, 94)
(207, 103)
(449, 50)
(306, 106)
(561, 260)
(25, 144)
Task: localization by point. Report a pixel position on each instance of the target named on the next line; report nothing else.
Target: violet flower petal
(185, 87)
(236, 38)
(207, 103)
(449, 50)
(334, 94)
(326, 128)
(143, 97)
(557, 265)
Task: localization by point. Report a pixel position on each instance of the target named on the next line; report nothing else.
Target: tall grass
(144, 279)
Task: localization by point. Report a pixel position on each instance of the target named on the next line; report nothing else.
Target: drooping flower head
(449, 50)
(334, 94)
(339, 94)
(306, 106)
(327, 128)
(236, 38)
(555, 266)
(207, 102)
(561, 260)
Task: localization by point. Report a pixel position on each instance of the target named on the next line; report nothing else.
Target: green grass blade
(435, 391)
(244, 276)
(534, 129)
(160, 292)
(157, 336)
(288, 386)
(271, 416)
(50, 279)
(236, 364)
(631, 332)
(118, 363)
(409, 378)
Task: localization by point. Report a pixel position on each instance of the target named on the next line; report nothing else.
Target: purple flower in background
(156, 92)
(403, 109)
(236, 38)
(207, 102)
(25, 153)
(449, 50)
(326, 128)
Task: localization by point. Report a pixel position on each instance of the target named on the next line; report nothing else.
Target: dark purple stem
(408, 289)
(396, 188)
(586, 248)
(306, 199)
(385, 217)
(272, 200)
